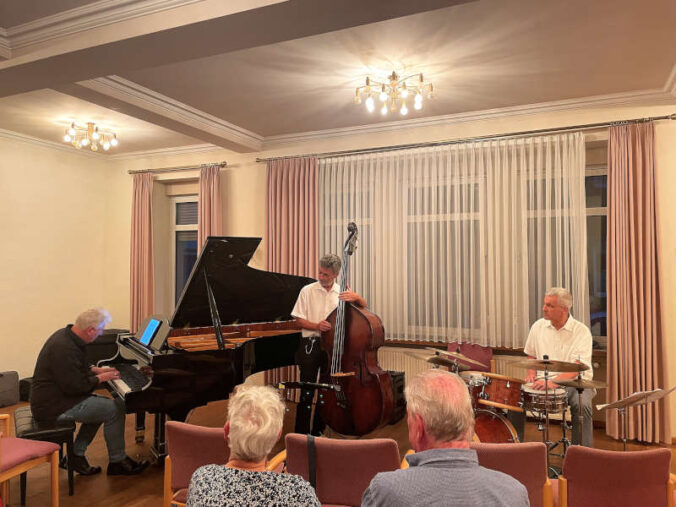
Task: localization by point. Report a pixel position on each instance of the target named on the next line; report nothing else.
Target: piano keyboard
(131, 379)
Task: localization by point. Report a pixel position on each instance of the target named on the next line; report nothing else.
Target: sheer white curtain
(459, 242)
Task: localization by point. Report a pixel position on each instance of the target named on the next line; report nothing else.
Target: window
(184, 240)
(596, 191)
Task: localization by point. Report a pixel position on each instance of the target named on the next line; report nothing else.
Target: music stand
(634, 400)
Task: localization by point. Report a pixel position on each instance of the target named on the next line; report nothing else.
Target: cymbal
(442, 361)
(457, 355)
(549, 365)
(580, 383)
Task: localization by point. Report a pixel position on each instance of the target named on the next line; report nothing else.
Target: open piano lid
(243, 294)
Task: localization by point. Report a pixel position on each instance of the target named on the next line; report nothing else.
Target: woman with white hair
(254, 425)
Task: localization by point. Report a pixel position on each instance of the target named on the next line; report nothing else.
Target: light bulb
(383, 96)
(106, 146)
(418, 97)
(383, 110)
(404, 109)
(78, 145)
(113, 141)
(404, 91)
(417, 106)
(67, 138)
(95, 147)
(84, 142)
(370, 105)
(95, 134)
(71, 130)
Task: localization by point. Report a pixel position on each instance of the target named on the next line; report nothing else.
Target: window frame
(173, 229)
(598, 170)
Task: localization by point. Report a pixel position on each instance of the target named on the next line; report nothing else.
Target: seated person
(254, 425)
(62, 388)
(444, 470)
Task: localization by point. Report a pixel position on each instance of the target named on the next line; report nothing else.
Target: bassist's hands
(324, 326)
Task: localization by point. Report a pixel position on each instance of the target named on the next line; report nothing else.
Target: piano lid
(243, 294)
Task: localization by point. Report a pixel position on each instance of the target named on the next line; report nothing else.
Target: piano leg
(140, 427)
(159, 448)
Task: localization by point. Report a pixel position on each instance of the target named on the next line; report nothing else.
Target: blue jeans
(91, 412)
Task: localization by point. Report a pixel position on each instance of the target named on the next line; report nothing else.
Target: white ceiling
(196, 73)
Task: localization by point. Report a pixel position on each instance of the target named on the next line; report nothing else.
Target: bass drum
(491, 427)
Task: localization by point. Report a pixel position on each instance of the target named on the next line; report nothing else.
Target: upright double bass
(362, 398)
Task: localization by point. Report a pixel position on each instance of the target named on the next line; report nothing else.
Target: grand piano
(230, 322)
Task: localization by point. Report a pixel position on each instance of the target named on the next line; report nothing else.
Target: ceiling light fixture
(394, 93)
(91, 135)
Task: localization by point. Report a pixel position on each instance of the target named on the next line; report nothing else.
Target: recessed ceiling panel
(18, 12)
(46, 114)
(479, 55)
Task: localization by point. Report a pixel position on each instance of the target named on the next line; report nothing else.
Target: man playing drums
(562, 338)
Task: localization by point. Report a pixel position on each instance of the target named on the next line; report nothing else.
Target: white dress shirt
(315, 303)
(573, 342)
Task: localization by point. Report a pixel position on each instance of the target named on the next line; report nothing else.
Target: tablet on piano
(153, 333)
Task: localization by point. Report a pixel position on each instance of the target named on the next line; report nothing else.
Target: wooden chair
(344, 468)
(526, 462)
(18, 455)
(189, 447)
(594, 477)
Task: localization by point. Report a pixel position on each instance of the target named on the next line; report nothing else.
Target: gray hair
(442, 401)
(94, 317)
(565, 298)
(332, 262)
(256, 415)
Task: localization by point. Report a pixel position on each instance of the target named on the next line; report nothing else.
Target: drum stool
(59, 433)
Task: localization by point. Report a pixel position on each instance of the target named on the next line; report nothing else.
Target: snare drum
(502, 392)
(475, 382)
(555, 401)
(494, 428)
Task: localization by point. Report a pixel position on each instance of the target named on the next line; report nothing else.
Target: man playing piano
(62, 389)
(315, 302)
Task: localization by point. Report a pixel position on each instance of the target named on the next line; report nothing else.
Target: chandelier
(394, 94)
(90, 136)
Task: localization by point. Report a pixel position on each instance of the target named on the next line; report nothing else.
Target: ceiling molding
(87, 17)
(5, 47)
(150, 100)
(670, 86)
(164, 152)
(628, 98)
(16, 136)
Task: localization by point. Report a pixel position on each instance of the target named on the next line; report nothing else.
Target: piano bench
(59, 433)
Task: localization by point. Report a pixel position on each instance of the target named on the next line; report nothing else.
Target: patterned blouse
(216, 485)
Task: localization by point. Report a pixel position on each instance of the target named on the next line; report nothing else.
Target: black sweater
(62, 377)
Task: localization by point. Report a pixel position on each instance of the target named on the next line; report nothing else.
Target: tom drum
(501, 391)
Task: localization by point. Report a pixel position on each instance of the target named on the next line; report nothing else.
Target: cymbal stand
(545, 435)
(622, 412)
(580, 416)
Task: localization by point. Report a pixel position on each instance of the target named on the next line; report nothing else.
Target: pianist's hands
(147, 371)
(108, 374)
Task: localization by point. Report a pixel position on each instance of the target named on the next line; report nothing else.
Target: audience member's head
(90, 324)
(439, 411)
(255, 418)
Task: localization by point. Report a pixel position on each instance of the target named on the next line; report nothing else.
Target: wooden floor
(146, 489)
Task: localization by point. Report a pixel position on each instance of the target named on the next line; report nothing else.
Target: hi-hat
(549, 365)
(442, 361)
(580, 383)
(458, 356)
(437, 361)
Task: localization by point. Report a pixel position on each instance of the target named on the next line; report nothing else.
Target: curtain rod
(380, 149)
(176, 169)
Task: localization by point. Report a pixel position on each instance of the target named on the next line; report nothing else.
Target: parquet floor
(146, 489)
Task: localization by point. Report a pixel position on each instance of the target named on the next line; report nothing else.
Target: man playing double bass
(315, 302)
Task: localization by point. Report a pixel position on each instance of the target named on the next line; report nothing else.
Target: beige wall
(53, 245)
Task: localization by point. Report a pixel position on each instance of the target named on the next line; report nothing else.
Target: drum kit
(493, 395)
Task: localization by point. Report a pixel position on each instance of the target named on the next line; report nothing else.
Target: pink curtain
(291, 227)
(210, 205)
(142, 282)
(637, 359)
